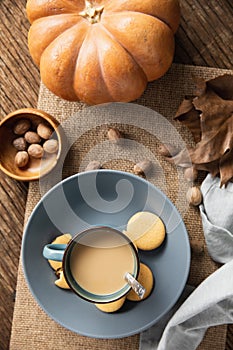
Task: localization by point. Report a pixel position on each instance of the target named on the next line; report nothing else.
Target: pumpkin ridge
(168, 11)
(55, 37)
(76, 71)
(124, 48)
(103, 75)
(110, 35)
(59, 70)
(116, 33)
(65, 30)
(142, 13)
(35, 8)
(65, 33)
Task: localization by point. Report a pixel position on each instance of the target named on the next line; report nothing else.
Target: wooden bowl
(35, 168)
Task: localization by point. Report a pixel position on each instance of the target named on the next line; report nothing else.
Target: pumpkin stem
(91, 12)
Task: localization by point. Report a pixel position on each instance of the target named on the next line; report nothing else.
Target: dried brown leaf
(209, 116)
(214, 112)
(190, 117)
(201, 85)
(212, 167)
(226, 167)
(222, 86)
(214, 143)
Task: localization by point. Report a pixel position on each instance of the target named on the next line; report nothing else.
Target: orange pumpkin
(103, 50)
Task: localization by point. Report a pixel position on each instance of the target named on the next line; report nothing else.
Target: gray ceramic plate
(105, 197)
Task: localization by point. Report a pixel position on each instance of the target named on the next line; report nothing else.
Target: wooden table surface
(204, 38)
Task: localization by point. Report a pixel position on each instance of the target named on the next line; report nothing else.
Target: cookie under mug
(100, 264)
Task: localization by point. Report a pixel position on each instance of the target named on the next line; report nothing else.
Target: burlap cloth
(32, 328)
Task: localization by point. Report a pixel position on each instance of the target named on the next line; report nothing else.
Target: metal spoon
(135, 285)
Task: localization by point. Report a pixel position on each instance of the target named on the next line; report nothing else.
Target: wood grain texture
(12, 203)
(203, 38)
(205, 35)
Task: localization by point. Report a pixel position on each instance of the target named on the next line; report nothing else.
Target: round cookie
(146, 279)
(61, 281)
(111, 307)
(128, 234)
(146, 230)
(63, 239)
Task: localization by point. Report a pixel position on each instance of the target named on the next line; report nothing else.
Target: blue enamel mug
(95, 263)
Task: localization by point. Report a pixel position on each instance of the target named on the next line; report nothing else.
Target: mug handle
(54, 251)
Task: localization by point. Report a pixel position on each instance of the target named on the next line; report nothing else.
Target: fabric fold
(208, 305)
(217, 218)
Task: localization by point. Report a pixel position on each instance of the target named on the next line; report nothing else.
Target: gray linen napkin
(211, 303)
(217, 218)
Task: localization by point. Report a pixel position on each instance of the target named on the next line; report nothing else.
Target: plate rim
(105, 336)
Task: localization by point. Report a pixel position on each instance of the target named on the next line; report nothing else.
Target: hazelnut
(21, 126)
(197, 246)
(93, 165)
(50, 146)
(168, 150)
(32, 137)
(142, 167)
(20, 144)
(35, 151)
(44, 131)
(194, 196)
(190, 174)
(21, 159)
(114, 135)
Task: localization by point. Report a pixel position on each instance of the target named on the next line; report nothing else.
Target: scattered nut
(197, 246)
(32, 137)
(190, 174)
(21, 159)
(35, 151)
(194, 196)
(50, 146)
(20, 144)
(168, 150)
(114, 135)
(25, 128)
(22, 126)
(93, 165)
(142, 167)
(44, 131)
